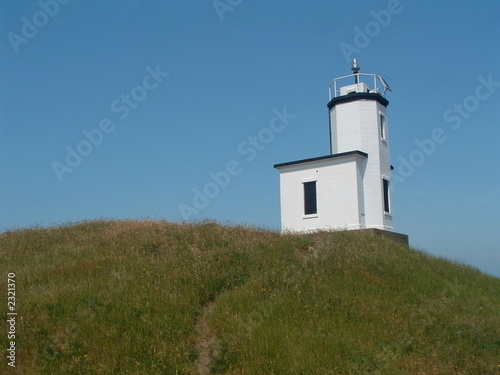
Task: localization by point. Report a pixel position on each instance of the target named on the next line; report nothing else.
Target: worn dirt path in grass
(207, 343)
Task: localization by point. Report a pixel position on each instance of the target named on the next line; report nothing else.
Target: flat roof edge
(327, 157)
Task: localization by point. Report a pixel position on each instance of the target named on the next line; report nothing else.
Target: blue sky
(156, 98)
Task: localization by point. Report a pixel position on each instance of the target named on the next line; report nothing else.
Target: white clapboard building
(351, 187)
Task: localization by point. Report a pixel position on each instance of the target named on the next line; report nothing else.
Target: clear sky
(126, 109)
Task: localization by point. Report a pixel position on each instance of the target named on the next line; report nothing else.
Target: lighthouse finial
(355, 66)
(355, 70)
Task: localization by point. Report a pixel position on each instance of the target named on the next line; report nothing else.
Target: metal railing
(379, 86)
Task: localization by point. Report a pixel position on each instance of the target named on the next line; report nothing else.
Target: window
(387, 203)
(310, 203)
(383, 126)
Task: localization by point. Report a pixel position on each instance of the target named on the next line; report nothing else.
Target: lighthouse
(350, 188)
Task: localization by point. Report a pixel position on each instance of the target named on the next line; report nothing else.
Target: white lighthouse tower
(351, 187)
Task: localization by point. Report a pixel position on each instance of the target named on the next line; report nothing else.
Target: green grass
(123, 297)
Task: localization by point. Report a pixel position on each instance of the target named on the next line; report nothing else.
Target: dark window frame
(310, 198)
(386, 187)
(383, 126)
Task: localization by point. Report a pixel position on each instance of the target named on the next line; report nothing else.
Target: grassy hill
(151, 297)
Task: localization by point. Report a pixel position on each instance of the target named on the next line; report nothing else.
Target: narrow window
(387, 203)
(310, 203)
(383, 126)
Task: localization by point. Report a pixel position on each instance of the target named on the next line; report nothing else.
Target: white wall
(338, 200)
(349, 188)
(356, 126)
